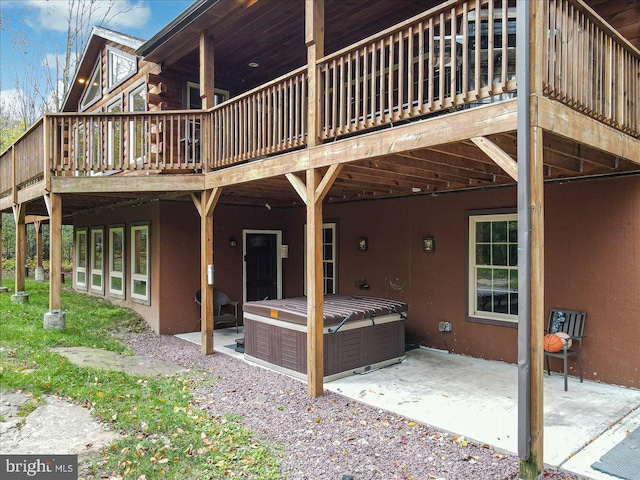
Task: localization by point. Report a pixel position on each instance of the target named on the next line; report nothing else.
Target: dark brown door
(261, 259)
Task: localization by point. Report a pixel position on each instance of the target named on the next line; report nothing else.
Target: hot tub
(360, 334)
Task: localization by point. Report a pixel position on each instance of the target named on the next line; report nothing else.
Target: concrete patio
(478, 399)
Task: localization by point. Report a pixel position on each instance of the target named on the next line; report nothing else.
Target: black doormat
(623, 460)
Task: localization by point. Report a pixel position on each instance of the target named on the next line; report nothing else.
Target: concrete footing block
(55, 320)
(20, 297)
(4, 289)
(39, 274)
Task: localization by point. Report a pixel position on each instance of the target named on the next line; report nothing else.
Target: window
(81, 259)
(193, 100)
(116, 262)
(329, 257)
(114, 142)
(137, 102)
(140, 262)
(97, 260)
(120, 66)
(329, 260)
(93, 90)
(493, 267)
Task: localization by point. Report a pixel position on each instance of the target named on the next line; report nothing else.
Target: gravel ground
(331, 437)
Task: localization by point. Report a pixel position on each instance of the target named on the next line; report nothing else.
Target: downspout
(524, 230)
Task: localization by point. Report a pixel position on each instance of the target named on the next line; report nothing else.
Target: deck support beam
(21, 245)
(54, 206)
(205, 206)
(312, 194)
(315, 289)
(499, 156)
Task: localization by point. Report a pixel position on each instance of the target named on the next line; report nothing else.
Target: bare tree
(46, 79)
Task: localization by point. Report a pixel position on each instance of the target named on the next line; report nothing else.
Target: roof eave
(175, 26)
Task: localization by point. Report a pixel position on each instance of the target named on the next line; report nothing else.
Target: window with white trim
(116, 262)
(93, 89)
(140, 262)
(97, 260)
(81, 259)
(137, 102)
(120, 67)
(493, 267)
(329, 259)
(114, 134)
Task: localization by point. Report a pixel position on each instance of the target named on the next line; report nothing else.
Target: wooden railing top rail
(260, 88)
(604, 26)
(421, 17)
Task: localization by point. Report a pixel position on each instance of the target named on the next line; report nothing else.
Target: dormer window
(120, 67)
(93, 90)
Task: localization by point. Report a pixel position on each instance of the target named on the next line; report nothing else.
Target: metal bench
(572, 325)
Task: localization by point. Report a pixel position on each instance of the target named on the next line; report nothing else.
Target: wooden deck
(402, 109)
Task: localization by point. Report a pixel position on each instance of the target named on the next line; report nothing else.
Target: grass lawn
(166, 435)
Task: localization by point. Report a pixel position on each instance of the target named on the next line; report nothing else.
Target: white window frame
(97, 70)
(119, 274)
(111, 52)
(220, 96)
(333, 227)
(81, 232)
(140, 277)
(97, 273)
(134, 90)
(473, 311)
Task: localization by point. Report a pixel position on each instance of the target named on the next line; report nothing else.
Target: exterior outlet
(444, 326)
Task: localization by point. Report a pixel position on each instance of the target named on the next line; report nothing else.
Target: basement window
(97, 260)
(81, 259)
(493, 267)
(140, 263)
(116, 262)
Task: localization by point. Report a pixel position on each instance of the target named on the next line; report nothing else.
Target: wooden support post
(54, 205)
(21, 245)
(207, 80)
(314, 38)
(206, 206)
(315, 289)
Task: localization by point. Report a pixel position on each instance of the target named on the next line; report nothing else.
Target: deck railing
(28, 157)
(436, 61)
(590, 68)
(454, 56)
(267, 120)
(107, 143)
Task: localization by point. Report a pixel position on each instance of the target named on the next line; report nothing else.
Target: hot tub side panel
(344, 351)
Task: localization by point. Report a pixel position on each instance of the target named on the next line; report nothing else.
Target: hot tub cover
(336, 308)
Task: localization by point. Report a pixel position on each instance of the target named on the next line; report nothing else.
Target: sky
(34, 30)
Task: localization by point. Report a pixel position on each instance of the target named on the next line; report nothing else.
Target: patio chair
(221, 299)
(570, 322)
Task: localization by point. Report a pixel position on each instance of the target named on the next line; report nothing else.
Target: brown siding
(179, 267)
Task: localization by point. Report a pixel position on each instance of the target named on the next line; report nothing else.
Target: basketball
(553, 343)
